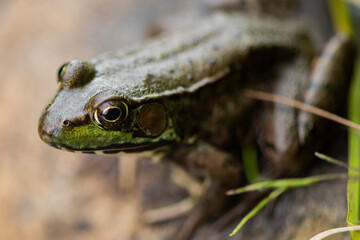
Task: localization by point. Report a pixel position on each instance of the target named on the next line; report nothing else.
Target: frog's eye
(61, 71)
(110, 114)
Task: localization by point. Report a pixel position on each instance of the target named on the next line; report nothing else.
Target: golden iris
(110, 114)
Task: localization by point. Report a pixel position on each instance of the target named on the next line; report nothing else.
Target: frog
(182, 96)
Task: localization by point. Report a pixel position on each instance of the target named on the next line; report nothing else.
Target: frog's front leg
(328, 87)
(222, 170)
(289, 136)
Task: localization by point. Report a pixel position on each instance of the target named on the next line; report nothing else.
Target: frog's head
(88, 115)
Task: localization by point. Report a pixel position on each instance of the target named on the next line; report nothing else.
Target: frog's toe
(209, 205)
(181, 208)
(205, 201)
(169, 212)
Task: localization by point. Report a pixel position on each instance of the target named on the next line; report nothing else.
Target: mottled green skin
(197, 75)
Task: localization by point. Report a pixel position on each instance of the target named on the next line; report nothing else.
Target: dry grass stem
(333, 231)
(300, 105)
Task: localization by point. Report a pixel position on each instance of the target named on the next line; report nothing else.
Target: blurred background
(49, 194)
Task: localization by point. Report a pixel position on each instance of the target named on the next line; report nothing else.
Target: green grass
(354, 154)
(340, 17)
(342, 22)
(251, 168)
(280, 186)
(276, 193)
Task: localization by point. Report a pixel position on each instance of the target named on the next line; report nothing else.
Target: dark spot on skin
(195, 41)
(211, 61)
(237, 35)
(149, 59)
(190, 60)
(216, 47)
(149, 76)
(189, 76)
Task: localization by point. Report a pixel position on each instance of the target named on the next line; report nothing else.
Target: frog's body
(181, 71)
(190, 85)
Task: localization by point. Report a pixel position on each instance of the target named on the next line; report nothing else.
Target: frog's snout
(48, 132)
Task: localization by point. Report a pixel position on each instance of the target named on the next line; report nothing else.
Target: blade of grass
(287, 183)
(335, 161)
(249, 156)
(340, 17)
(276, 193)
(354, 153)
(342, 21)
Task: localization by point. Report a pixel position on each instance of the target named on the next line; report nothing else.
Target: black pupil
(112, 114)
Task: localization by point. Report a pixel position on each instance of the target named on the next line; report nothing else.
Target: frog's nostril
(66, 123)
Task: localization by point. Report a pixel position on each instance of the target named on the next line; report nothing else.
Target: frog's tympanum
(185, 91)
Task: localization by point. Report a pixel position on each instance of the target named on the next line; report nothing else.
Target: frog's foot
(221, 172)
(183, 207)
(211, 203)
(206, 200)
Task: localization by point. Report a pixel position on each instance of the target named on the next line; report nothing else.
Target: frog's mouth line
(113, 149)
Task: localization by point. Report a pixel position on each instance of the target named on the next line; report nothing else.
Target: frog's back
(189, 60)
